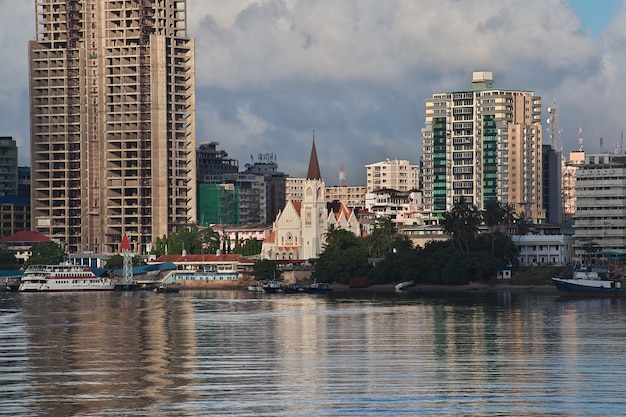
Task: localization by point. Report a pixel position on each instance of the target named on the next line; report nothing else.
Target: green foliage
(380, 242)
(192, 240)
(249, 247)
(264, 269)
(7, 258)
(46, 253)
(344, 257)
(461, 223)
(115, 262)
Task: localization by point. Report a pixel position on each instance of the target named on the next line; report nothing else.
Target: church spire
(314, 166)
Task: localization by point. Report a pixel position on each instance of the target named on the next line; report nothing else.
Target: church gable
(289, 218)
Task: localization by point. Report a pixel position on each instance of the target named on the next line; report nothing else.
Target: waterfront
(233, 353)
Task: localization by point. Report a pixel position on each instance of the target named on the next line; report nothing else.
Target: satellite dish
(549, 109)
(549, 121)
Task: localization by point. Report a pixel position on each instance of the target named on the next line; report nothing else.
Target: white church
(299, 229)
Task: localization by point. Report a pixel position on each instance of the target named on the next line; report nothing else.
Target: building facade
(569, 168)
(112, 106)
(600, 218)
(15, 212)
(552, 185)
(212, 164)
(481, 145)
(396, 174)
(8, 166)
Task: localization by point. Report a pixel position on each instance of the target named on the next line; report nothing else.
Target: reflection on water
(233, 353)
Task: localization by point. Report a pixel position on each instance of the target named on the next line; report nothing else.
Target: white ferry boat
(56, 278)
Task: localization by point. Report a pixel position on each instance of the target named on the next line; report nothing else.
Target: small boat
(272, 287)
(164, 288)
(60, 278)
(405, 284)
(589, 282)
(317, 288)
(255, 287)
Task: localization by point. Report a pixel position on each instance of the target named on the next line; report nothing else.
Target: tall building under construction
(112, 122)
(483, 144)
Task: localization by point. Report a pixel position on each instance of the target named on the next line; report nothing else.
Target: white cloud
(269, 72)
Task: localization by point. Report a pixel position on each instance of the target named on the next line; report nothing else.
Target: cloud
(270, 72)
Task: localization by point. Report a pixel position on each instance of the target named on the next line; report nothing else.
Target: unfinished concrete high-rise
(112, 107)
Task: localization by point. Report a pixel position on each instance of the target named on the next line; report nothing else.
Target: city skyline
(269, 73)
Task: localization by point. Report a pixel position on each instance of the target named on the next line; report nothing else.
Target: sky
(271, 74)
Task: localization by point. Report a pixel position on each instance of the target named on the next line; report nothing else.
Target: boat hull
(589, 288)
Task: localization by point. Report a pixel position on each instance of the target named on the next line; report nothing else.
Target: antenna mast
(555, 130)
(580, 139)
(342, 176)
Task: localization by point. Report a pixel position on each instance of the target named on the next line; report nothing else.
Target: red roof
(26, 236)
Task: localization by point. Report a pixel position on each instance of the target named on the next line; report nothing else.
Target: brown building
(112, 122)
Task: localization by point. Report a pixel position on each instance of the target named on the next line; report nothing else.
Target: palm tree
(331, 236)
(493, 216)
(462, 222)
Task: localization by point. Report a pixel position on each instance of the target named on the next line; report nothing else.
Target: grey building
(600, 218)
(213, 163)
(8, 166)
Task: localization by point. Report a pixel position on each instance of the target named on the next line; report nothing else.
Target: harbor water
(234, 353)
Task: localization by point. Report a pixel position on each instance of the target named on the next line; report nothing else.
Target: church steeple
(314, 166)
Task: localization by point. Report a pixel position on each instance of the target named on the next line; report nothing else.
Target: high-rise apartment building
(112, 122)
(483, 144)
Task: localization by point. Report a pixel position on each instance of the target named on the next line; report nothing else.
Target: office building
(112, 122)
(483, 145)
(212, 164)
(600, 219)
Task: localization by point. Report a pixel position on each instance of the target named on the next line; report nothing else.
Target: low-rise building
(543, 250)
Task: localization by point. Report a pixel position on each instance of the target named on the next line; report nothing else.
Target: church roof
(271, 238)
(338, 208)
(314, 166)
(298, 206)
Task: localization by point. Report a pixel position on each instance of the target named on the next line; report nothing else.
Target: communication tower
(554, 128)
(342, 176)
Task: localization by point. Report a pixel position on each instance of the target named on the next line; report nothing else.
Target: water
(233, 353)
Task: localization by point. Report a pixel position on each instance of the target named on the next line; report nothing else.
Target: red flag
(125, 243)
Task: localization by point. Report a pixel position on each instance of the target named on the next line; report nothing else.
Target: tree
(461, 223)
(189, 239)
(344, 257)
(7, 258)
(46, 253)
(380, 241)
(493, 216)
(264, 269)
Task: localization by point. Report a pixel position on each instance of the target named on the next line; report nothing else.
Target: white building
(395, 174)
(541, 250)
(600, 216)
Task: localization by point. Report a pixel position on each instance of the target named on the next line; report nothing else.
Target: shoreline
(449, 288)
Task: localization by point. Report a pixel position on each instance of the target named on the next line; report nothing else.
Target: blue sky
(358, 72)
(596, 14)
